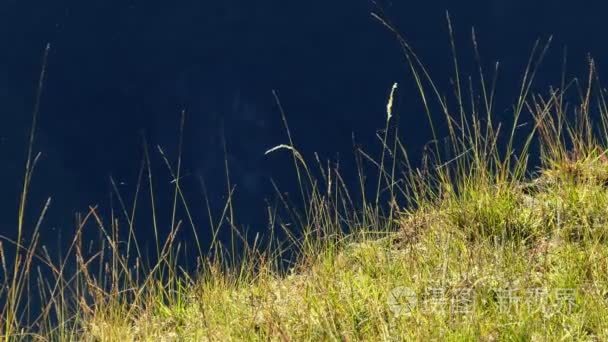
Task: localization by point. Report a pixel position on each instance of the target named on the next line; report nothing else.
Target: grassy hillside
(471, 243)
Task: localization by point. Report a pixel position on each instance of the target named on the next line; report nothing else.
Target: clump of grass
(493, 213)
(471, 245)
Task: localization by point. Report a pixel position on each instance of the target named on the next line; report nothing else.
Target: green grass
(474, 244)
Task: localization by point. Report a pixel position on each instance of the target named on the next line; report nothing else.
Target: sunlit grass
(473, 244)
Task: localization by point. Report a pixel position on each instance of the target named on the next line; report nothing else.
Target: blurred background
(120, 70)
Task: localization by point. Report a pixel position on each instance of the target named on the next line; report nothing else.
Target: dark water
(118, 69)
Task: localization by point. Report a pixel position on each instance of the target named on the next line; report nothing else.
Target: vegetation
(473, 244)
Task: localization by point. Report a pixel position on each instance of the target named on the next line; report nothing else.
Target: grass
(474, 244)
